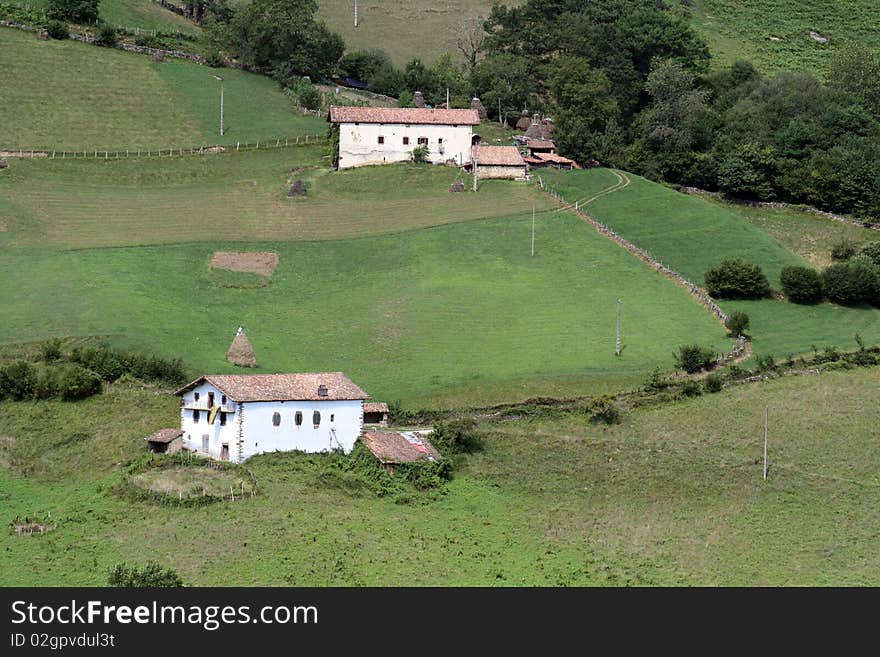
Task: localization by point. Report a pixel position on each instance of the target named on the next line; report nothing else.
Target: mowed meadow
(420, 295)
(691, 235)
(673, 495)
(66, 95)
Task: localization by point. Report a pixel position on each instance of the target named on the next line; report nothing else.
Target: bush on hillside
(420, 154)
(18, 381)
(603, 409)
(75, 11)
(714, 382)
(107, 37)
(852, 282)
(737, 323)
(57, 30)
(871, 250)
(50, 351)
(309, 97)
(150, 576)
(843, 250)
(456, 436)
(110, 364)
(737, 279)
(801, 284)
(76, 382)
(693, 358)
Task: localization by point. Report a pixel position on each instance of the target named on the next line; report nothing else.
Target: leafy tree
(503, 78)
(737, 323)
(748, 172)
(693, 358)
(801, 284)
(853, 282)
(456, 436)
(855, 71)
(603, 409)
(73, 11)
(737, 279)
(152, 576)
(17, 380)
(57, 30)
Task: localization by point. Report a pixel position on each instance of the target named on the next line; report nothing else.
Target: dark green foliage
(871, 250)
(75, 382)
(852, 282)
(57, 30)
(18, 380)
(714, 382)
(107, 36)
(150, 576)
(691, 388)
(110, 364)
(801, 284)
(420, 154)
(765, 362)
(456, 436)
(73, 11)
(309, 97)
(843, 250)
(656, 381)
(737, 323)
(603, 409)
(693, 358)
(737, 279)
(50, 351)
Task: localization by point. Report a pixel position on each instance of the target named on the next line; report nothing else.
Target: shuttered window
(276, 419)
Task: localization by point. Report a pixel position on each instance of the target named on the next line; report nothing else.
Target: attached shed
(500, 162)
(393, 448)
(376, 413)
(540, 160)
(165, 441)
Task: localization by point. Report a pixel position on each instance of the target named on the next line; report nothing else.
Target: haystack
(241, 352)
(476, 104)
(159, 56)
(457, 186)
(298, 188)
(418, 99)
(4, 164)
(525, 121)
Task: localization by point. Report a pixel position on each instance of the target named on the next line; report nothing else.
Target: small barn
(540, 146)
(165, 441)
(393, 448)
(376, 413)
(542, 160)
(499, 162)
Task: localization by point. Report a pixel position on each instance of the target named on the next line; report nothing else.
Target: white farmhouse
(231, 417)
(379, 135)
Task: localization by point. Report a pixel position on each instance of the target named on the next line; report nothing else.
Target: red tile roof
(507, 156)
(553, 157)
(404, 115)
(405, 447)
(282, 387)
(375, 407)
(164, 436)
(540, 143)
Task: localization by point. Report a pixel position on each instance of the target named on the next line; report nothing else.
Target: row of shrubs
(852, 281)
(21, 380)
(110, 364)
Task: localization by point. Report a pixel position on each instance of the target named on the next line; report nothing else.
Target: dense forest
(627, 83)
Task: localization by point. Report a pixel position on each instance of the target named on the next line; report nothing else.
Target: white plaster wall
(260, 435)
(217, 434)
(359, 143)
(499, 171)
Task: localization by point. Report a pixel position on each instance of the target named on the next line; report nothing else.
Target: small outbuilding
(376, 413)
(393, 448)
(541, 160)
(499, 162)
(165, 441)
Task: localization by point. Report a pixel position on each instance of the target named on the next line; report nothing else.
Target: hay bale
(159, 56)
(524, 122)
(241, 352)
(418, 99)
(44, 35)
(298, 188)
(457, 186)
(4, 164)
(476, 104)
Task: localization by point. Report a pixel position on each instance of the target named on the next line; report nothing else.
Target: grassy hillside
(672, 495)
(457, 315)
(691, 235)
(776, 33)
(235, 197)
(143, 14)
(69, 95)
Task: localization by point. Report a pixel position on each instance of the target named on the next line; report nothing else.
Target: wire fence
(171, 151)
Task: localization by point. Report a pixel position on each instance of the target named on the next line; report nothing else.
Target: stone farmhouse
(380, 135)
(232, 417)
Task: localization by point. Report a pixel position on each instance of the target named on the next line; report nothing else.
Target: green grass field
(691, 235)
(68, 95)
(672, 495)
(775, 34)
(131, 14)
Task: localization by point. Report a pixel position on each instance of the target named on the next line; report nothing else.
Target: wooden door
(224, 452)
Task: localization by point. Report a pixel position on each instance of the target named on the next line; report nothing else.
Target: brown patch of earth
(254, 262)
(4, 226)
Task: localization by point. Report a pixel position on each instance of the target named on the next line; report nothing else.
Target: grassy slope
(673, 495)
(742, 30)
(71, 95)
(130, 14)
(455, 315)
(691, 235)
(235, 197)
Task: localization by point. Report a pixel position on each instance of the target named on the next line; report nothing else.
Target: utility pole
(474, 160)
(447, 97)
(355, 13)
(619, 303)
(766, 433)
(221, 103)
(533, 231)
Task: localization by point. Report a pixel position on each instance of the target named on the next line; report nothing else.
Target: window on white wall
(195, 396)
(298, 418)
(276, 419)
(316, 419)
(196, 416)
(222, 419)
